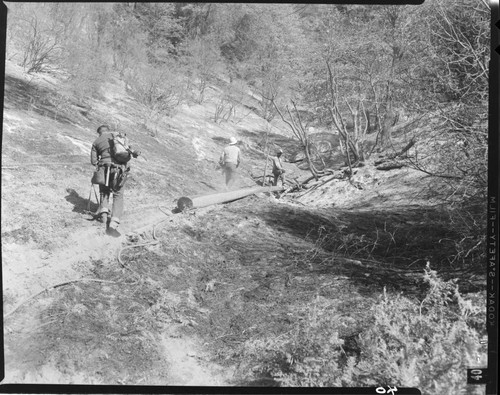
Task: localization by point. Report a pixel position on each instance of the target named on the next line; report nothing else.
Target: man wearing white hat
(230, 160)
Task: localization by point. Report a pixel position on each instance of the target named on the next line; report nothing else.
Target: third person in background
(278, 170)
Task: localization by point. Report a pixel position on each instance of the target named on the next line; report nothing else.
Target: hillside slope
(47, 236)
(194, 292)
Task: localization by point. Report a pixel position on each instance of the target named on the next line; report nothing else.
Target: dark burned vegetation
(105, 329)
(288, 295)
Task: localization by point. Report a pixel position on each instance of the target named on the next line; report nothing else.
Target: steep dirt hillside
(201, 297)
(47, 235)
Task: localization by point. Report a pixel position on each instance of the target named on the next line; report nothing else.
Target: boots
(114, 223)
(113, 226)
(102, 215)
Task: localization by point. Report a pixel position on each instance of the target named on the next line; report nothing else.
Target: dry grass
(230, 277)
(106, 331)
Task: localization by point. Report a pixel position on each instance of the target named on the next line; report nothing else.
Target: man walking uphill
(230, 160)
(104, 155)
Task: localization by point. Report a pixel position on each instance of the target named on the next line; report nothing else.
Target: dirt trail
(190, 363)
(28, 270)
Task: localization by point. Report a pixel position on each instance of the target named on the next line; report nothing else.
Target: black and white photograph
(248, 195)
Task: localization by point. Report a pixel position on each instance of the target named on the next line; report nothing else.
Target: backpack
(119, 149)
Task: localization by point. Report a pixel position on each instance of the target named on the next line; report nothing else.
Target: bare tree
(299, 130)
(202, 62)
(41, 49)
(158, 91)
(36, 37)
(351, 133)
(454, 145)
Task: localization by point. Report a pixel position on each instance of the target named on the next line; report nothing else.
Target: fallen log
(222, 197)
(390, 162)
(403, 150)
(390, 166)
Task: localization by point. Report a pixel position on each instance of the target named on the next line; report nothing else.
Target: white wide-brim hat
(232, 141)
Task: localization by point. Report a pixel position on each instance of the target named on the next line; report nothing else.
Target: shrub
(231, 98)
(426, 344)
(33, 38)
(308, 356)
(159, 91)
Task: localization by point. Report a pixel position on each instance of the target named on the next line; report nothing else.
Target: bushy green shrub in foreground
(426, 344)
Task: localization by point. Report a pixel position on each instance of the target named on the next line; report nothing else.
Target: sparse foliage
(40, 50)
(276, 60)
(202, 63)
(232, 97)
(354, 85)
(128, 43)
(454, 144)
(159, 90)
(36, 38)
(300, 131)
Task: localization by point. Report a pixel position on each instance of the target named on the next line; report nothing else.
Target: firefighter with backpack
(110, 154)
